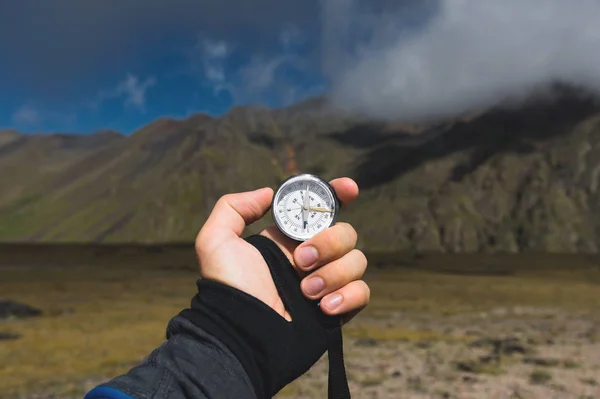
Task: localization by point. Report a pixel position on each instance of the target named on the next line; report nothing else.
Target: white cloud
(260, 79)
(208, 58)
(265, 80)
(215, 49)
(26, 115)
(215, 74)
(291, 37)
(135, 91)
(31, 116)
(471, 54)
(260, 73)
(131, 90)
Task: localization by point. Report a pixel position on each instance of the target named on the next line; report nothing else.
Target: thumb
(231, 214)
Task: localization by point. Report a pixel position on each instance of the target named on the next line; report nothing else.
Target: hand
(330, 266)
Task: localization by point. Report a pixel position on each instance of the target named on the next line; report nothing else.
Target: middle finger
(335, 275)
(326, 246)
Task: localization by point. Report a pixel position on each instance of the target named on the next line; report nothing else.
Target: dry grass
(97, 323)
(400, 334)
(101, 319)
(454, 284)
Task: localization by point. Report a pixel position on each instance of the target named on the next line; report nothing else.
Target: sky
(81, 66)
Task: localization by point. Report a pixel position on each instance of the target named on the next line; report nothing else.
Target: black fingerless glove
(273, 351)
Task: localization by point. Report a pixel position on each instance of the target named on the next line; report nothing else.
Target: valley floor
(437, 327)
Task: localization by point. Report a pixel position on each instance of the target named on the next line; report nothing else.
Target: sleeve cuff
(106, 393)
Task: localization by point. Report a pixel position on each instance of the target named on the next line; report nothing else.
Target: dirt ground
(514, 353)
(520, 353)
(447, 326)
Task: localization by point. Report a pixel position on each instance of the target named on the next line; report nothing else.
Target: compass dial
(303, 206)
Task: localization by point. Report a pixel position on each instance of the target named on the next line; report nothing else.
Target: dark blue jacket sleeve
(190, 364)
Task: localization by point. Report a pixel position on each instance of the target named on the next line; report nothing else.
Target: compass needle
(321, 210)
(306, 206)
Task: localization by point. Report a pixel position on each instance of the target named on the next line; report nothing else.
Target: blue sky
(71, 67)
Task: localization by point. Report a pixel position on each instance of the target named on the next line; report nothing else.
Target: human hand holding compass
(330, 267)
(322, 254)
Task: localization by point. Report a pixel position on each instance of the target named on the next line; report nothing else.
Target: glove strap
(338, 383)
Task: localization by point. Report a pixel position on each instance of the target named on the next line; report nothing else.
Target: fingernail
(313, 286)
(306, 256)
(333, 301)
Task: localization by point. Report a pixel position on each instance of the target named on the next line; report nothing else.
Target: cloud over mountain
(465, 54)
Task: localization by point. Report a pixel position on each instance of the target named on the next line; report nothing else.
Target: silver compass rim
(316, 179)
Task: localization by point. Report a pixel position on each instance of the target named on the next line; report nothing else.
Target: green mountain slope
(500, 180)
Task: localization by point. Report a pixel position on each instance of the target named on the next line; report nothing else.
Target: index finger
(346, 189)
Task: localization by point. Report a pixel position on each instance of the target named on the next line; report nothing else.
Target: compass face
(303, 206)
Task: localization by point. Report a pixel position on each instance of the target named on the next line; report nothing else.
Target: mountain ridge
(504, 179)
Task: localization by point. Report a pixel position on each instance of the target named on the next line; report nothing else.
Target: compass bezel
(314, 178)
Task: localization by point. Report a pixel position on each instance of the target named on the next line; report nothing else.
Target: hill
(498, 180)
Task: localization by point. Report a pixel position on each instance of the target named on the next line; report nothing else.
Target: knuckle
(344, 274)
(225, 199)
(347, 233)
(356, 265)
(362, 258)
(340, 239)
(330, 240)
(199, 240)
(353, 235)
(200, 243)
(255, 210)
(366, 292)
(348, 269)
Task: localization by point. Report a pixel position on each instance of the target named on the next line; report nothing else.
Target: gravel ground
(521, 353)
(506, 354)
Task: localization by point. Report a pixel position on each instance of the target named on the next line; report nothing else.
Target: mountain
(503, 179)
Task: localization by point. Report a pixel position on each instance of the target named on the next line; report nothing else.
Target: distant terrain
(510, 180)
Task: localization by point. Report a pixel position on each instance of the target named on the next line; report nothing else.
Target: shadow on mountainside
(497, 131)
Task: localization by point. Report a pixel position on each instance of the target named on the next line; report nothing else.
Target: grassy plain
(105, 308)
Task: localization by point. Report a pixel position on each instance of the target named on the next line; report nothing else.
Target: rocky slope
(500, 180)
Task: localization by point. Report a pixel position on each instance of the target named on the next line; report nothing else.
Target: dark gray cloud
(470, 54)
(44, 43)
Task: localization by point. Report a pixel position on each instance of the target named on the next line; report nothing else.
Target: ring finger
(347, 301)
(335, 275)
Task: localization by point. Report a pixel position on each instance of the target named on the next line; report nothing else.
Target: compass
(304, 205)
